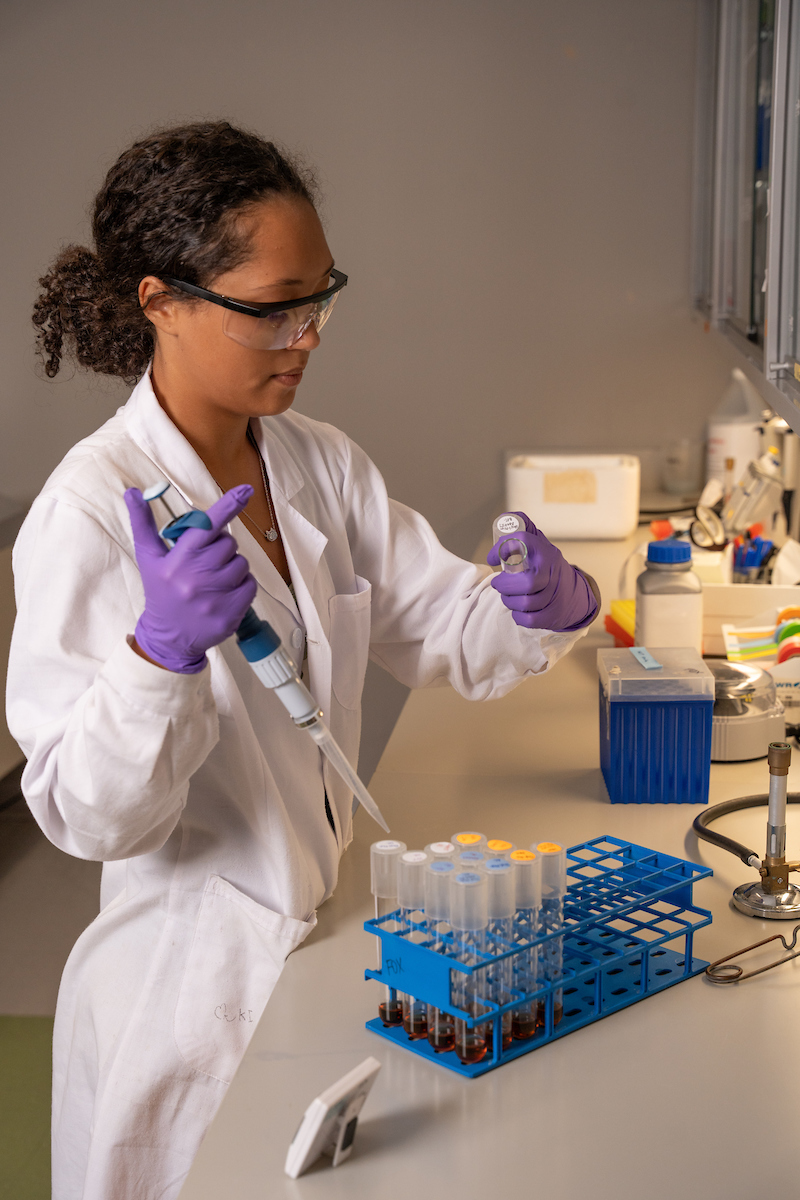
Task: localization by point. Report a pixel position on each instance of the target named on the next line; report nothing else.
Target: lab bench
(688, 1093)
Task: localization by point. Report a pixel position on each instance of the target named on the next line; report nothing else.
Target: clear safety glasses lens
(278, 330)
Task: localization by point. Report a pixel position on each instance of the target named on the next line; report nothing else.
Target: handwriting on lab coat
(244, 1014)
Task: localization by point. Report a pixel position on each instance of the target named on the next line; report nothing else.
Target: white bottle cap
(437, 889)
(554, 869)
(411, 879)
(527, 867)
(440, 850)
(468, 900)
(500, 889)
(383, 858)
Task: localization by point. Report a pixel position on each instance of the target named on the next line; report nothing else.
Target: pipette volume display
(383, 858)
(275, 668)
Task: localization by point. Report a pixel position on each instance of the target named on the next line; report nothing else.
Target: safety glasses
(274, 326)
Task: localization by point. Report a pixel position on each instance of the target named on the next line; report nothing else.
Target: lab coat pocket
(237, 954)
(349, 638)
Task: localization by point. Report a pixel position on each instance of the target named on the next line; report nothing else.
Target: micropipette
(276, 669)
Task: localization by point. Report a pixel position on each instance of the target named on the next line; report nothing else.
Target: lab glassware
(527, 868)
(411, 896)
(499, 939)
(554, 888)
(383, 858)
(438, 872)
(513, 555)
(469, 919)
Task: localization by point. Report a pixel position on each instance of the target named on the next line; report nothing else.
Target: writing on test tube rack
(274, 666)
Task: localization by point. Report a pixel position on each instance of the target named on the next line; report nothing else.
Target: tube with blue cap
(276, 669)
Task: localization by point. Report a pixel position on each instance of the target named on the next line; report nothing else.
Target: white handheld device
(329, 1123)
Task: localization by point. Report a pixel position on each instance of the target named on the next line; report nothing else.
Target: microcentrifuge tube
(527, 870)
(468, 992)
(469, 840)
(513, 555)
(497, 848)
(441, 1027)
(499, 939)
(506, 523)
(383, 858)
(411, 895)
(470, 860)
(554, 889)
(440, 850)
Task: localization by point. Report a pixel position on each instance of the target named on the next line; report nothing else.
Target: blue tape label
(644, 658)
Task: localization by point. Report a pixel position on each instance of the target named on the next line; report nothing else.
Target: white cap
(440, 850)
(468, 839)
(383, 858)
(437, 889)
(527, 868)
(411, 879)
(554, 869)
(500, 889)
(468, 901)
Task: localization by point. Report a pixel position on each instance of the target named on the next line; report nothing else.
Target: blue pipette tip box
(655, 726)
(629, 925)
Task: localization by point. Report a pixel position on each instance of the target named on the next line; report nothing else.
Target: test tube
(470, 860)
(513, 554)
(527, 868)
(507, 522)
(440, 850)
(469, 840)
(497, 848)
(383, 858)
(554, 889)
(468, 919)
(441, 1028)
(500, 933)
(411, 895)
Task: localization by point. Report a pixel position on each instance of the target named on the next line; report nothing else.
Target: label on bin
(645, 658)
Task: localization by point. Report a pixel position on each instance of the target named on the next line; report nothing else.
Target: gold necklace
(270, 534)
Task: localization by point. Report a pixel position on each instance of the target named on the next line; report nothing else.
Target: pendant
(271, 535)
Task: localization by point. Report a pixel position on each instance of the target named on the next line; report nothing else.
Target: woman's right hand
(195, 594)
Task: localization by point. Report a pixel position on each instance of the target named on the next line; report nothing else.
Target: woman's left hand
(549, 594)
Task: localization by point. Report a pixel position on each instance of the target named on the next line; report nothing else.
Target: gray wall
(508, 185)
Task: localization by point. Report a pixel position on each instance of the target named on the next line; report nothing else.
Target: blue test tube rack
(628, 930)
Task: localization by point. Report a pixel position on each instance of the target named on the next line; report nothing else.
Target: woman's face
(289, 258)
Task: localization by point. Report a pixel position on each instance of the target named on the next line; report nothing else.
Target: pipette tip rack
(628, 930)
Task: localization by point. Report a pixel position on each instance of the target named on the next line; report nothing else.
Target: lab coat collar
(178, 462)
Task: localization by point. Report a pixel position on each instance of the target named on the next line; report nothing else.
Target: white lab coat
(204, 802)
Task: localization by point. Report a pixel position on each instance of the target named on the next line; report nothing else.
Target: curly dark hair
(167, 206)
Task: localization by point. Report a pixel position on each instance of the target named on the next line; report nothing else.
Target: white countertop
(686, 1094)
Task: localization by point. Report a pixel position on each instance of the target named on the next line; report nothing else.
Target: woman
(151, 745)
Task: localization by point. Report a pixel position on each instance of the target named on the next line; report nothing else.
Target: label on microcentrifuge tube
(508, 523)
(498, 845)
(441, 847)
(468, 839)
(548, 848)
(387, 846)
(415, 856)
(522, 855)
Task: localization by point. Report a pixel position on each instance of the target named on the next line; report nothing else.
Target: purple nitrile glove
(196, 594)
(549, 594)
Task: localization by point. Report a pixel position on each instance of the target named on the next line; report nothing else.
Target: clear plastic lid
(682, 673)
(553, 858)
(527, 867)
(498, 848)
(470, 860)
(468, 901)
(383, 858)
(437, 889)
(469, 840)
(440, 850)
(411, 879)
(500, 889)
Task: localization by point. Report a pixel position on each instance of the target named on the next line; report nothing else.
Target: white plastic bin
(575, 495)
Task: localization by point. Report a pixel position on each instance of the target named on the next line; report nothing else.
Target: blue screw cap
(669, 551)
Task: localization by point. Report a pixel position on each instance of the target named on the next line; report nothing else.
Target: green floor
(25, 1107)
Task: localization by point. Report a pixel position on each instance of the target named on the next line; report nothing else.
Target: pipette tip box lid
(655, 725)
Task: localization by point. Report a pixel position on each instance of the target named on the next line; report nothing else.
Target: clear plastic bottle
(468, 919)
(438, 873)
(669, 598)
(527, 868)
(734, 428)
(411, 896)
(383, 858)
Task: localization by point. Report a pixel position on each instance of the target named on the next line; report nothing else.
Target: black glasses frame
(258, 310)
